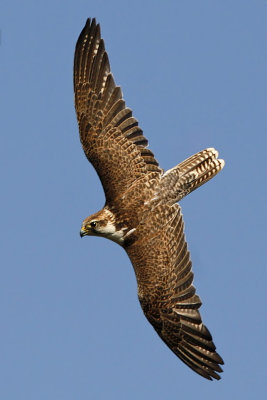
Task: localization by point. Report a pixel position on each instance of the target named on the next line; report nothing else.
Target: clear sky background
(71, 324)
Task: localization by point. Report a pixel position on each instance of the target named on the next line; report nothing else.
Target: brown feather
(100, 102)
(167, 296)
(141, 212)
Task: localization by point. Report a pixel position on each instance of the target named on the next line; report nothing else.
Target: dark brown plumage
(141, 211)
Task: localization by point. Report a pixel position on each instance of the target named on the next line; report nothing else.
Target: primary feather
(141, 211)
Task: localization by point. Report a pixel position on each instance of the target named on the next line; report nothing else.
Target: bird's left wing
(162, 264)
(111, 138)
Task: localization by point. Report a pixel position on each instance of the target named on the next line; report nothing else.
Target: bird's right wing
(163, 269)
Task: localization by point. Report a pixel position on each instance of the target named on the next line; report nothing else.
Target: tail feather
(200, 168)
(192, 161)
(189, 175)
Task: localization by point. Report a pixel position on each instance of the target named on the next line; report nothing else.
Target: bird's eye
(93, 224)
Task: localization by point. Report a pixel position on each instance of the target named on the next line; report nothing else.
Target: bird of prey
(141, 213)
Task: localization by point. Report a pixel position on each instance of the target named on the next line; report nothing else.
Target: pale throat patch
(109, 231)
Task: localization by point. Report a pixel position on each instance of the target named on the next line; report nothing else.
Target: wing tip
(89, 26)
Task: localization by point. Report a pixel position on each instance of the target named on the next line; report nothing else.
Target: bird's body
(141, 212)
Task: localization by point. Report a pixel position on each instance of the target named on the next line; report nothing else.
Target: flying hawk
(141, 213)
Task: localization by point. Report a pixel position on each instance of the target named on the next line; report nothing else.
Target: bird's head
(102, 224)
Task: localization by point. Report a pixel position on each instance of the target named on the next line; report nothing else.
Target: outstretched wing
(110, 135)
(163, 269)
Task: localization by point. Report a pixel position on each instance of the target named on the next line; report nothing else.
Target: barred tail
(200, 168)
(189, 175)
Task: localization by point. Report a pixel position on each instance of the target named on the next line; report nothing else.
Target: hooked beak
(83, 232)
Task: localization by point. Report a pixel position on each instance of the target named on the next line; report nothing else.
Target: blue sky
(71, 324)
